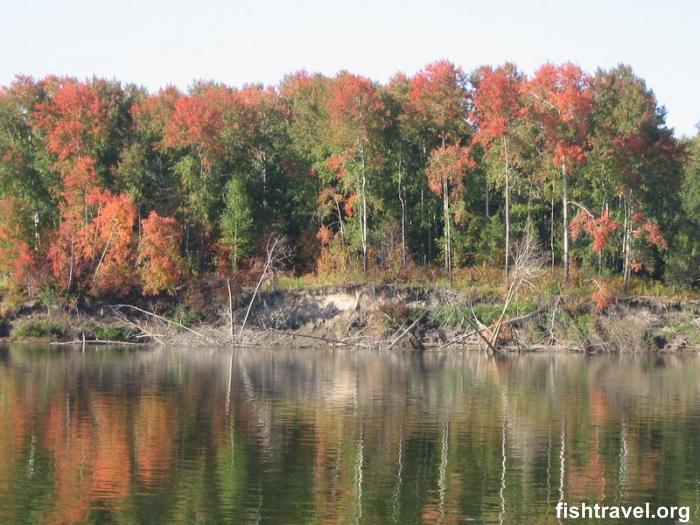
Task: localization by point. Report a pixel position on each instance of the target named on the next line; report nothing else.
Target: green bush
(111, 333)
(49, 298)
(39, 329)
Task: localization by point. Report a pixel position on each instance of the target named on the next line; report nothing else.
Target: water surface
(288, 436)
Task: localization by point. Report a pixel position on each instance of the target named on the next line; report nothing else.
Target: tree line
(107, 189)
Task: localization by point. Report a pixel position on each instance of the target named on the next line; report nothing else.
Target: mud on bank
(383, 316)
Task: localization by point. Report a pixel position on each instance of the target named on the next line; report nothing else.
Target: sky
(161, 42)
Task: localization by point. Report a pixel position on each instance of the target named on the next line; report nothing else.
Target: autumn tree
(498, 109)
(637, 153)
(355, 108)
(600, 229)
(439, 98)
(438, 102)
(561, 100)
(72, 237)
(446, 168)
(193, 135)
(111, 249)
(73, 119)
(161, 266)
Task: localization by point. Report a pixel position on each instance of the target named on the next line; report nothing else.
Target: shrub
(111, 333)
(39, 329)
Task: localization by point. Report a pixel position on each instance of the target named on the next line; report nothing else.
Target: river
(167, 435)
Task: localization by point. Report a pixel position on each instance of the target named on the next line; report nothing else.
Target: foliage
(237, 222)
(162, 267)
(106, 189)
(39, 329)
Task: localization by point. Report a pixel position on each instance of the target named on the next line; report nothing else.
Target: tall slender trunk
(448, 239)
(551, 229)
(340, 220)
(364, 214)
(627, 240)
(72, 258)
(138, 211)
(507, 190)
(36, 229)
(487, 210)
(565, 213)
(403, 220)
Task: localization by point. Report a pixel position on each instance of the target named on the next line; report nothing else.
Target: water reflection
(290, 436)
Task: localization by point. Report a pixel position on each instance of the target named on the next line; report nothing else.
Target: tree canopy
(109, 190)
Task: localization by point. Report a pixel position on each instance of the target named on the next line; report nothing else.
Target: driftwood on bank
(94, 342)
(407, 330)
(277, 252)
(316, 337)
(118, 307)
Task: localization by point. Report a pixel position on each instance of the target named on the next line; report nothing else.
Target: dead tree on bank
(277, 253)
(528, 263)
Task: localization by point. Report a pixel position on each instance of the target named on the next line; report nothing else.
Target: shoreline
(392, 317)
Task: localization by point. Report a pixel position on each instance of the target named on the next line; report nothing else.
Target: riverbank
(382, 316)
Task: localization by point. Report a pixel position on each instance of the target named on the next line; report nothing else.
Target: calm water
(276, 436)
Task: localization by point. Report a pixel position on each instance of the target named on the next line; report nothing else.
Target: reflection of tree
(178, 437)
(154, 430)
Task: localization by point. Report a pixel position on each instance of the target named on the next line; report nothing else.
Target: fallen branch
(165, 319)
(276, 253)
(84, 342)
(414, 323)
(475, 325)
(317, 337)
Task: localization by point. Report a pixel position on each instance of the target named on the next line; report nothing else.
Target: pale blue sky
(153, 43)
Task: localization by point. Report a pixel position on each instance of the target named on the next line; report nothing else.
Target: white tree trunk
(565, 213)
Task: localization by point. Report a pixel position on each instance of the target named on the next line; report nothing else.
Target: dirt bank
(387, 316)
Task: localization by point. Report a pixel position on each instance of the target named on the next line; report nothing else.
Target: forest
(107, 190)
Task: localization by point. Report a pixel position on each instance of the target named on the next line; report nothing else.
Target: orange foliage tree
(446, 168)
(74, 119)
(112, 232)
(600, 229)
(161, 265)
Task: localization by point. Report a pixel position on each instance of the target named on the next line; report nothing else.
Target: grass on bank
(39, 329)
(487, 284)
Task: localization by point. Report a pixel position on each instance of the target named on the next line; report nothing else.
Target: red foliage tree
(161, 265)
(438, 96)
(196, 122)
(74, 119)
(497, 99)
(113, 242)
(355, 110)
(643, 229)
(446, 168)
(602, 296)
(599, 229)
(562, 101)
(151, 115)
(95, 233)
(71, 238)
